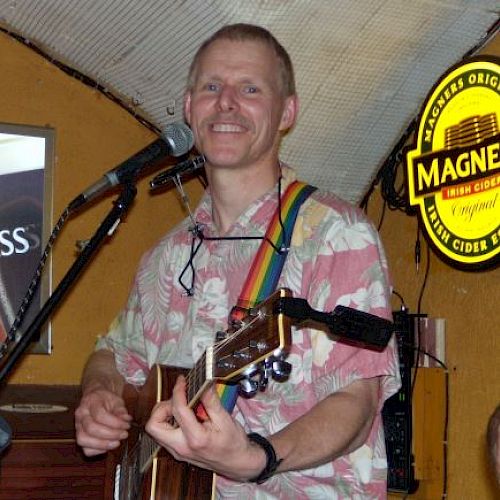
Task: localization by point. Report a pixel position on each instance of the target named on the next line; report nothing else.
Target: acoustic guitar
(141, 469)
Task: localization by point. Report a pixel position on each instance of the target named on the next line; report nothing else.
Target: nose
(228, 100)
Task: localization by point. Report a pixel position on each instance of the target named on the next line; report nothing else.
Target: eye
(250, 89)
(212, 87)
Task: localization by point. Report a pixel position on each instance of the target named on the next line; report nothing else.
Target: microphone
(177, 140)
(184, 167)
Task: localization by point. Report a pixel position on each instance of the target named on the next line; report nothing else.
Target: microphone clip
(182, 168)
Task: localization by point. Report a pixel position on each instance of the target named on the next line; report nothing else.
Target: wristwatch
(272, 461)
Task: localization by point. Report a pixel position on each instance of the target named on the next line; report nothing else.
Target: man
(493, 441)
(323, 425)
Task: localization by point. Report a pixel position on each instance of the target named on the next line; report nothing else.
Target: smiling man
(318, 434)
(238, 107)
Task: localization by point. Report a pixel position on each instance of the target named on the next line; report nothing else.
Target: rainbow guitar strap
(267, 265)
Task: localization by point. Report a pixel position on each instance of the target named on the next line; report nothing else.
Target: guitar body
(142, 470)
(164, 478)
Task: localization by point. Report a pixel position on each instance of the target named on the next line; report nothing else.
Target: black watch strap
(272, 461)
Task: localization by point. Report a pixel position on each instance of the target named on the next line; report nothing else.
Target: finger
(161, 413)
(104, 408)
(122, 413)
(211, 400)
(183, 415)
(117, 407)
(90, 427)
(92, 446)
(91, 452)
(110, 419)
(217, 414)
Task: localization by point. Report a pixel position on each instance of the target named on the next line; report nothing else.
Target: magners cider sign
(453, 170)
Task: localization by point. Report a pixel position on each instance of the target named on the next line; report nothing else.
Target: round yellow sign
(453, 173)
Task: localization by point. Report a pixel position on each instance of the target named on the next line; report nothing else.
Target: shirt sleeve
(126, 340)
(350, 270)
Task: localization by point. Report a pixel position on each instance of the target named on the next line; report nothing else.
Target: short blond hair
(242, 32)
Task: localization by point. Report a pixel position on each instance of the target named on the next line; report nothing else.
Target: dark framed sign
(26, 166)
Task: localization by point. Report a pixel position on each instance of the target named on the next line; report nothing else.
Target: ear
(187, 107)
(290, 112)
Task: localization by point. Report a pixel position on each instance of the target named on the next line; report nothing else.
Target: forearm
(336, 426)
(100, 372)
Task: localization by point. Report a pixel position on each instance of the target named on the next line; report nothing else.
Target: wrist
(271, 459)
(95, 384)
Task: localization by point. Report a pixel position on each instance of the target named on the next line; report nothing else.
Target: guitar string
(147, 447)
(194, 373)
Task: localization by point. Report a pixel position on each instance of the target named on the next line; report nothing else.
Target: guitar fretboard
(196, 379)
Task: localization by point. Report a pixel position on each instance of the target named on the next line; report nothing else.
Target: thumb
(161, 413)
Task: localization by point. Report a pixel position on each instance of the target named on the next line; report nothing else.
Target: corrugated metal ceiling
(363, 68)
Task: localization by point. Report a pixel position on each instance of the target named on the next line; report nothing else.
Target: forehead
(250, 58)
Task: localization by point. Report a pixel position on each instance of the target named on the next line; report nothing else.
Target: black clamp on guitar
(349, 325)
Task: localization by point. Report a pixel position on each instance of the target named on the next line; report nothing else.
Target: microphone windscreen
(179, 137)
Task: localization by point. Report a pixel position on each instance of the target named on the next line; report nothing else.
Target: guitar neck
(198, 379)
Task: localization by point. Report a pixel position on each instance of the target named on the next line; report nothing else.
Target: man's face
(236, 108)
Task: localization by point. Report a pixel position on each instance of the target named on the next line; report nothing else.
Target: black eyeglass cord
(198, 237)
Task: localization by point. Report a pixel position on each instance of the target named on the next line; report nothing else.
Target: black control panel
(397, 412)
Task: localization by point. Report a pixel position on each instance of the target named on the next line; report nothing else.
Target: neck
(233, 190)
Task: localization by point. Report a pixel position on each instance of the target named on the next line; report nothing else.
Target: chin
(223, 159)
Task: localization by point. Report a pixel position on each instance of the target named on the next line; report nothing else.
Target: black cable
(417, 248)
(382, 216)
(13, 333)
(197, 232)
(400, 297)
(419, 311)
(396, 196)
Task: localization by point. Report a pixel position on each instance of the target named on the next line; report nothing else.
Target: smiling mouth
(228, 127)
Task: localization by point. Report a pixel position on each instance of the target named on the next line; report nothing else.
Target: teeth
(226, 127)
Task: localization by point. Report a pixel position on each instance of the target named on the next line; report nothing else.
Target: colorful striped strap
(265, 272)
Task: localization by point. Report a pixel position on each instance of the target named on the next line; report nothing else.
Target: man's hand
(219, 443)
(101, 421)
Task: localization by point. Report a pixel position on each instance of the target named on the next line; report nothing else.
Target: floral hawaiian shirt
(335, 258)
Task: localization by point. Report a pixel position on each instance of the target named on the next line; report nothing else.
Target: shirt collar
(256, 216)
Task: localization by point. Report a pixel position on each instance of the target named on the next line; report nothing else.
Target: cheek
(262, 116)
(270, 121)
(197, 108)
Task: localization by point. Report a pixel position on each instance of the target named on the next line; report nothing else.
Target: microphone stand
(107, 227)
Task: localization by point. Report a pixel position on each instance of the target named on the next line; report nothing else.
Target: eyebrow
(244, 80)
